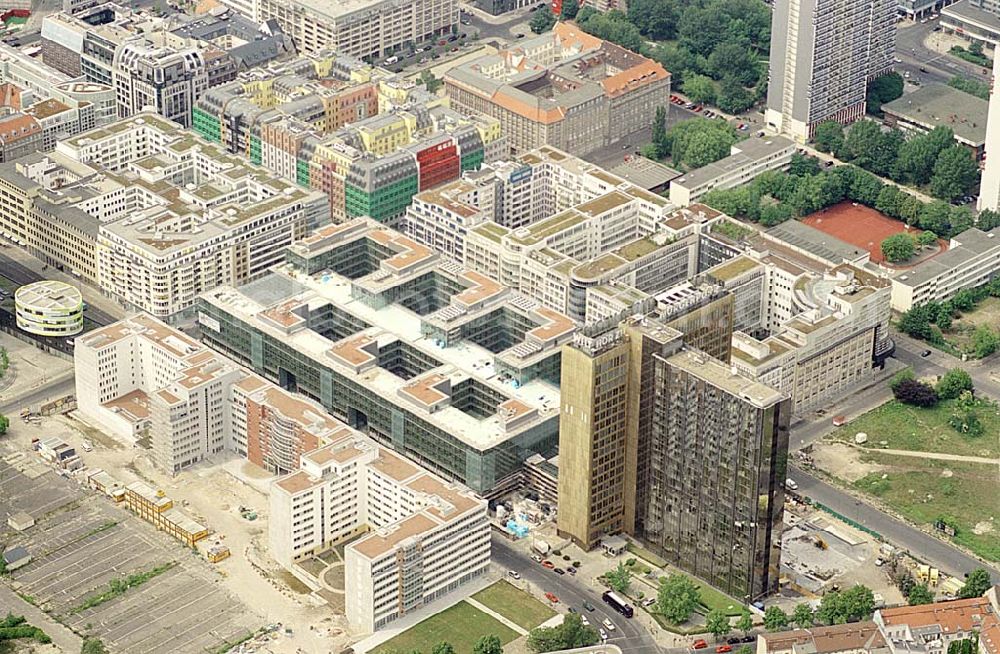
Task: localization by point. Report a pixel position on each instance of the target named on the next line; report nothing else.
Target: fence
(844, 518)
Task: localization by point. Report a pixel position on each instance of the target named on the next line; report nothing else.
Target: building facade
(824, 53)
(420, 537)
(564, 88)
(747, 159)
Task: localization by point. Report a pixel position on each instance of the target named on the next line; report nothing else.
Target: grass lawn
(710, 597)
(514, 604)
(461, 625)
(986, 312)
(925, 490)
(924, 430)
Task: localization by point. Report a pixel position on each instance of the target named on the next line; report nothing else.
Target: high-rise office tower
(823, 52)
(989, 188)
(662, 441)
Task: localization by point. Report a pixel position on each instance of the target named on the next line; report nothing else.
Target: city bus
(617, 603)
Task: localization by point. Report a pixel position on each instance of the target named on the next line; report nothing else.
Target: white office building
(746, 160)
(140, 378)
(421, 537)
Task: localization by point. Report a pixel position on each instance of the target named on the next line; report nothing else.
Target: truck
(540, 546)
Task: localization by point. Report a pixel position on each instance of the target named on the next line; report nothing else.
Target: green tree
(954, 173)
(840, 607)
(717, 623)
(700, 141)
(985, 341)
(656, 19)
(943, 316)
(733, 97)
(734, 58)
(803, 165)
(543, 20)
(967, 422)
(903, 375)
(953, 383)
(916, 322)
(964, 645)
(569, 9)
(915, 161)
(611, 26)
(619, 578)
(745, 623)
(775, 619)
(898, 247)
(432, 83)
(93, 646)
(4, 424)
(570, 634)
(988, 219)
(829, 136)
(959, 220)
(920, 594)
(803, 615)
(976, 48)
(926, 238)
(977, 583)
(881, 90)
(661, 144)
(700, 88)
(860, 139)
(677, 598)
(488, 644)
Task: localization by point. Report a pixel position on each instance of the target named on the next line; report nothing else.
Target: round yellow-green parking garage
(49, 308)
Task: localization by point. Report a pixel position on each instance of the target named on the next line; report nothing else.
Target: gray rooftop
(745, 152)
(818, 243)
(939, 104)
(971, 243)
(644, 172)
(966, 12)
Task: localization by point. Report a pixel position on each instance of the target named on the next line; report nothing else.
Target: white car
(649, 602)
(604, 634)
(609, 624)
(513, 574)
(87, 447)
(584, 620)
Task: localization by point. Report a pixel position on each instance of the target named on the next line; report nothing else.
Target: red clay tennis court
(858, 225)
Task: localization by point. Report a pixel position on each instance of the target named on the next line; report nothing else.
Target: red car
(699, 644)
(697, 108)
(552, 598)
(548, 564)
(722, 649)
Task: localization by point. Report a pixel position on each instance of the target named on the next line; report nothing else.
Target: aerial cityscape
(499, 327)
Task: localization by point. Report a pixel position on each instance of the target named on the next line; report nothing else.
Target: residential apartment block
(367, 29)
(420, 537)
(643, 415)
(439, 362)
(824, 52)
(368, 138)
(564, 88)
(931, 628)
(972, 259)
(854, 638)
(748, 159)
(989, 196)
(165, 215)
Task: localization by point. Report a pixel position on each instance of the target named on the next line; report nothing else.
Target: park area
(866, 228)
(463, 624)
(917, 464)
(960, 332)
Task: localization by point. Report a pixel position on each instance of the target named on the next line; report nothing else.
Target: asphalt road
(46, 393)
(629, 634)
(910, 50)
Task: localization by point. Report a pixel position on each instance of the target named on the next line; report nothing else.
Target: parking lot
(81, 541)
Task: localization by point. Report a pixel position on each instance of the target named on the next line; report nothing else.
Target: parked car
(513, 574)
(558, 571)
(552, 598)
(536, 558)
(699, 644)
(608, 624)
(584, 620)
(649, 601)
(571, 570)
(548, 564)
(604, 634)
(587, 605)
(572, 609)
(925, 353)
(722, 649)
